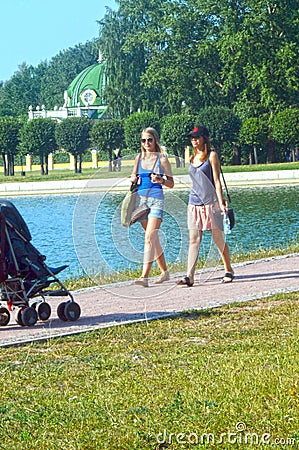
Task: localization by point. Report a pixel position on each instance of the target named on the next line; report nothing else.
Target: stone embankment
(275, 177)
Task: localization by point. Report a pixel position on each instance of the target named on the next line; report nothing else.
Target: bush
(134, 125)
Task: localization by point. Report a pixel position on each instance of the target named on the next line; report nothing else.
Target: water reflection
(84, 230)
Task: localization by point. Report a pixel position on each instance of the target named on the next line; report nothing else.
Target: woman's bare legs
(193, 251)
(224, 252)
(152, 247)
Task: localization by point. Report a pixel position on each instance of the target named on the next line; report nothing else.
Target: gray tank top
(203, 190)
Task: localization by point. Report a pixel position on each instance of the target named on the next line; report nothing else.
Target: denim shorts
(156, 207)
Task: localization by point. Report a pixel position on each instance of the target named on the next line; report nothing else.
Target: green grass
(202, 374)
(126, 171)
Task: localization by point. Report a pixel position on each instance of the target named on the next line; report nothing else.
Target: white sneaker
(142, 282)
(163, 277)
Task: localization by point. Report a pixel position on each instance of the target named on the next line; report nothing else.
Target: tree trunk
(80, 163)
(250, 158)
(110, 161)
(12, 166)
(177, 158)
(236, 159)
(76, 163)
(255, 155)
(4, 165)
(47, 165)
(183, 157)
(10, 160)
(293, 154)
(271, 152)
(41, 162)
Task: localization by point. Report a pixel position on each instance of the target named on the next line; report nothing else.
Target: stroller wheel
(60, 312)
(29, 316)
(4, 316)
(72, 311)
(19, 319)
(43, 311)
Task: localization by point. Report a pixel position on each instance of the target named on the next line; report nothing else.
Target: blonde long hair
(156, 137)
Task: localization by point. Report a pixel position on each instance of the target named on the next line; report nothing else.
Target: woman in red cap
(206, 204)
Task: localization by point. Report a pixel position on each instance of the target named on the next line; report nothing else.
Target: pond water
(84, 230)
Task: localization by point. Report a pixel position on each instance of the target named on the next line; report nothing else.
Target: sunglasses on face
(149, 140)
(196, 138)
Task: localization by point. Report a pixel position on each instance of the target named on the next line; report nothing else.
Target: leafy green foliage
(134, 125)
(9, 141)
(38, 138)
(106, 136)
(172, 57)
(62, 69)
(222, 123)
(285, 126)
(174, 134)
(21, 91)
(46, 83)
(123, 91)
(73, 135)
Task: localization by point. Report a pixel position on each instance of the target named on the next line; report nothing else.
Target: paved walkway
(125, 303)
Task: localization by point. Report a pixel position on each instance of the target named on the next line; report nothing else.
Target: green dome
(87, 88)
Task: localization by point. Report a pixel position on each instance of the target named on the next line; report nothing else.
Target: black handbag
(141, 212)
(231, 216)
(230, 212)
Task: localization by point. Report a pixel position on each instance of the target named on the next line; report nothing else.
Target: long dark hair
(207, 147)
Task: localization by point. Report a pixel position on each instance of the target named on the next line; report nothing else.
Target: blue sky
(32, 31)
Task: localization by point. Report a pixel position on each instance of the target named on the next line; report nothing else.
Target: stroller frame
(22, 295)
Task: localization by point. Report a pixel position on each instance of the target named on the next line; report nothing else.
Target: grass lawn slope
(218, 378)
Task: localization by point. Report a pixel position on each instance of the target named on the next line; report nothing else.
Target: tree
(285, 128)
(73, 135)
(134, 125)
(183, 66)
(254, 132)
(61, 71)
(38, 138)
(19, 92)
(223, 125)
(124, 67)
(9, 141)
(258, 45)
(174, 132)
(46, 83)
(107, 136)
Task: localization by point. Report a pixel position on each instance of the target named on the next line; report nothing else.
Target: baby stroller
(25, 278)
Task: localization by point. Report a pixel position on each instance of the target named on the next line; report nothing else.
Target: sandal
(185, 281)
(229, 275)
(141, 282)
(163, 277)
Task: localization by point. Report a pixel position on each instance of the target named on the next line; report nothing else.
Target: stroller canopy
(12, 215)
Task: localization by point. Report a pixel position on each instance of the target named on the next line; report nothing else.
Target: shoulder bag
(129, 205)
